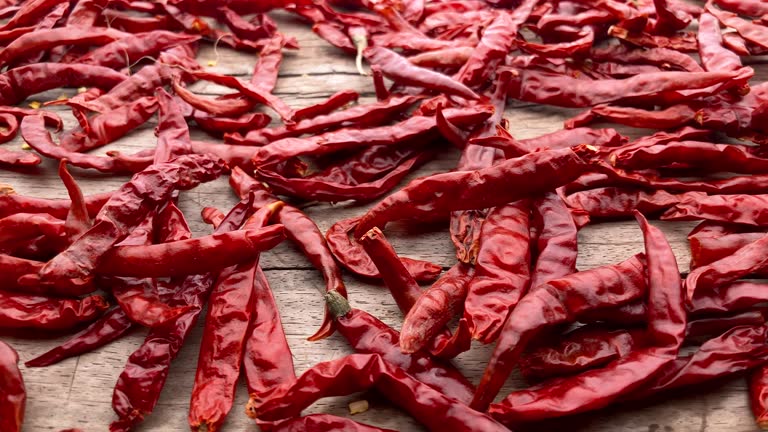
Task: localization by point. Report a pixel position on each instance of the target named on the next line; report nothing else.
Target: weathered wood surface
(78, 392)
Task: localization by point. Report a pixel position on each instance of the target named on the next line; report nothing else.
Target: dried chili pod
(13, 394)
(37, 312)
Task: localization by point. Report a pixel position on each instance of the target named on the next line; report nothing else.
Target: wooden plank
(77, 392)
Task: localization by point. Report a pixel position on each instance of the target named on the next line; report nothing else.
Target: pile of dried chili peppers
(443, 72)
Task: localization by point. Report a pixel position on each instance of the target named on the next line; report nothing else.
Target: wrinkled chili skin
(556, 246)
(13, 394)
(439, 194)
(22, 82)
(36, 312)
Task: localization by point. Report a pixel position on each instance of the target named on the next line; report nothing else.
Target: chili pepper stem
(361, 43)
(337, 304)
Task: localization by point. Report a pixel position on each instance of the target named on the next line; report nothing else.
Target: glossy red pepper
(37, 312)
(13, 393)
(555, 249)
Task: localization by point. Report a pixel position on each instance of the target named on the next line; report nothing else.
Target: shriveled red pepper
(19, 83)
(12, 203)
(43, 40)
(325, 422)
(142, 83)
(613, 202)
(334, 102)
(598, 388)
(751, 32)
(217, 126)
(37, 312)
(13, 393)
(363, 371)
(436, 195)
(744, 7)
(127, 50)
(737, 208)
(558, 301)
(555, 249)
(352, 256)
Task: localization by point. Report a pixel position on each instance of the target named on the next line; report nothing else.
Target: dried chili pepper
(362, 371)
(738, 208)
(751, 32)
(111, 326)
(142, 83)
(304, 233)
(612, 202)
(435, 307)
(441, 193)
(325, 422)
(127, 50)
(12, 203)
(19, 83)
(555, 249)
(138, 387)
(43, 40)
(706, 250)
(37, 312)
(666, 329)
(334, 102)
(445, 58)
(13, 394)
(221, 125)
(558, 301)
(744, 7)
(706, 156)
(244, 29)
(352, 256)
(400, 70)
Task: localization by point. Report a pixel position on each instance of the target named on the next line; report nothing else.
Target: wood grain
(78, 392)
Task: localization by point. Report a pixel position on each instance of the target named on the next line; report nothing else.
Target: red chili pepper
(744, 209)
(363, 371)
(434, 308)
(744, 7)
(244, 29)
(666, 329)
(751, 32)
(30, 12)
(445, 58)
(37, 312)
(110, 327)
(672, 117)
(400, 70)
(217, 126)
(302, 231)
(43, 40)
(558, 301)
(13, 394)
(125, 210)
(617, 202)
(325, 422)
(628, 314)
(127, 50)
(439, 194)
(709, 157)
(12, 203)
(368, 115)
(139, 385)
(142, 83)
(352, 256)
(19, 83)
(555, 248)
(128, 22)
(335, 101)
(662, 57)
(224, 337)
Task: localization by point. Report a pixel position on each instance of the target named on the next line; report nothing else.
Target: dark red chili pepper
(37, 312)
(439, 194)
(706, 156)
(325, 422)
(44, 39)
(128, 22)
(555, 248)
(445, 58)
(367, 115)
(26, 226)
(334, 102)
(706, 250)
(714, 56)
(108, 127)
(662, 57)
(668, 118)
(225, 334)
(77, 221)
(558, 301)
(363, 371)
(683, 42)
(400, 70)
(125, 210)
(435, 307)
(13, 394)
(751, 32)
(666, 329)
(142, 83)
(217, 126)
(628, 314)
(366, 165)
(353, 138)
(12, 203)
(616, 202)
(19, 83)
(30, 12)
(244, 29)
(739, 208)
(139, 385)
(127, 50)
(502, 270)
(110, 327)
(219, 106)
(352, 256)
(172, 130)
(267, 68)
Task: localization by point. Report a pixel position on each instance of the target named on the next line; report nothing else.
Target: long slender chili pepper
(435, 307)
(441, 193)
(138, 387)
(142, 83)
(335, 101)
(12, 203)
(304, 233)
(706, 156)
(555, 249)
(744, 7)
(42, 40)
(110, 327)
(224, 337)
(612, 202)
(172, 130)
(217, 126)
(13, 394)
(502, 270)
(26, 311)
(352, 256)
(325, 422)
(706, 250)
(363, 371)
(558, 301)
(737, 208)
(751, 32)
(400, 70)
(125, 51)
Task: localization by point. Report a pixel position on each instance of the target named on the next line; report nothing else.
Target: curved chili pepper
(13, 394)
(707, 156)
(219, 107)
(353, 138)
(674, 116)
(502, 270)
(111, 326)
(304, 233)
(556, 245)
(172, 130)
(142, 83)
(362, 371)
(744, 7)
(21, 226)
(558, 301)
(445, 58)
(77, 221)
(439, 194)
(400, 70)
(30, 12)
(666, 329)
(366, 165)
(43, 40)
(138, 387)
(663, 57)
(683, 42)
(27, 311)
(125, 210)
(352, 256)
(128, 22)
(12, 203)
(373, 114)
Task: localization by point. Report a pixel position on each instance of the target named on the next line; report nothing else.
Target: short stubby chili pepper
(502, 270)
(352, 256)
(364, 371)
(435, 307)
(367, 335)
(558, 301)
(44, 313)
(13, 393)
(439, 194)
